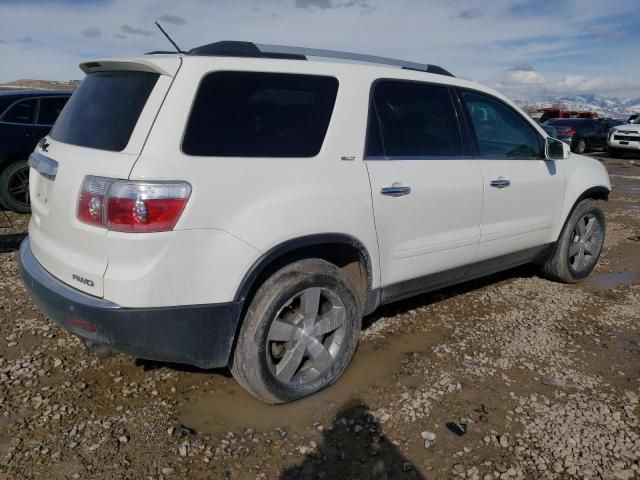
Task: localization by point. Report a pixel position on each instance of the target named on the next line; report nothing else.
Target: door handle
(395, 190)
(500, 182)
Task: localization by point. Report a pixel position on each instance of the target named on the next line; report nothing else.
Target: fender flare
(597, 192)
(290, 246)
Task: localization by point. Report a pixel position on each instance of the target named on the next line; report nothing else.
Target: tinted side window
(501, 132)
(50, 108)
(22, 112)
(413, 120)
(254, 114)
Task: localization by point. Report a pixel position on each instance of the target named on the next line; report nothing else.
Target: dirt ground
(511, 376)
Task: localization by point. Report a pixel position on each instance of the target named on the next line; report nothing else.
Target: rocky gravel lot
(508, 377)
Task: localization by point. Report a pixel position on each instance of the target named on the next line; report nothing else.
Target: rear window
(104, 110)
(254, 114)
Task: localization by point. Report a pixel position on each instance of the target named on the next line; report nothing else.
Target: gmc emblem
(80, 279)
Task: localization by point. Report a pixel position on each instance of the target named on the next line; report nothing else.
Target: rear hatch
(100, 132)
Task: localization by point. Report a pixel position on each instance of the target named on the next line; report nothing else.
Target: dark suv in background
(25, 117)
(583, 134)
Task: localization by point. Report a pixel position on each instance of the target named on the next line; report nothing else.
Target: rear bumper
(199, 335)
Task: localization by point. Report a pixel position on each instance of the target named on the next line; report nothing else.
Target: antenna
(169, 38)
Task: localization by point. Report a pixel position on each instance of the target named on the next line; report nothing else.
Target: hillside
(28, 84)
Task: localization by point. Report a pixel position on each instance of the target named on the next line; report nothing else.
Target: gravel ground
(508, 377)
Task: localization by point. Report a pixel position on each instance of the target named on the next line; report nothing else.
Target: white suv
(240, 205)
(624, 138)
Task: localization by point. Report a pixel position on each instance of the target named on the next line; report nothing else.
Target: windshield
(104, 110)
(636, 121)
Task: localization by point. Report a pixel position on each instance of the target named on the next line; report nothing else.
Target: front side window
(408, 119)
(500, 131)
(255, 114)
(23, 111)
(50, 108)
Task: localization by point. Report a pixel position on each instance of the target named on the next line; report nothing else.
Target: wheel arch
(337, 248)
(598, 192)
(8, 158)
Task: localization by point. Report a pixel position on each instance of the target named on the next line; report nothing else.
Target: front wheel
(299, 332)
(14, 187)
(580, 244)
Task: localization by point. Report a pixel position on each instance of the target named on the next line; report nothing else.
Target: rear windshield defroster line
(104, 110)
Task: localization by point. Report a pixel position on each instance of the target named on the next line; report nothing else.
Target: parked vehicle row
(25, 117)
(583, 134)
(240, 205)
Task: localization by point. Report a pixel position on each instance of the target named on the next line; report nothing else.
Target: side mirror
(556, 150)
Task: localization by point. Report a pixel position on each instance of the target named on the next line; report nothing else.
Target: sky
(524, 48)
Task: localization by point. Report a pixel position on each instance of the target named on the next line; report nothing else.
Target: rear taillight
(567, 132)
(129, 206)
(92, 200)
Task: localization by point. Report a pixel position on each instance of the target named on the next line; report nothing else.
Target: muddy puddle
(607, 281)
(629, 341)
(229, 407)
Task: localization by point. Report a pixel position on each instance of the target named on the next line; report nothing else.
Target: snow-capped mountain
(605, 106)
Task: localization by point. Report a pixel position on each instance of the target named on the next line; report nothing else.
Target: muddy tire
(299, 332)
(577, 251)
(14, 187)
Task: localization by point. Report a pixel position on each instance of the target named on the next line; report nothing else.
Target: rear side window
(50, 108)
(23, 111)
(104, 110)
(500, 131)
(409, 119)
(252, 114)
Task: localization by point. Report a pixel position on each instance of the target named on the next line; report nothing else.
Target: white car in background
(624, 138)
(242, 205)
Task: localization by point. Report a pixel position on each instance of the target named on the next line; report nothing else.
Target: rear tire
(299, 332)
(581, 146)
(578, 249)
(14, 187)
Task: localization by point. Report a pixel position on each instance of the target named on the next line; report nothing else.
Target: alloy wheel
(18, 187)
(306, 336)
(586, 243)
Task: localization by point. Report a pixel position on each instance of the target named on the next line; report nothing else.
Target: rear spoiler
(164, 65)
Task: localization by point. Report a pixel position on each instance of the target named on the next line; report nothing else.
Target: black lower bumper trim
(198, 335)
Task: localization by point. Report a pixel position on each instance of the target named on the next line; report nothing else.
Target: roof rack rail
(259, 50)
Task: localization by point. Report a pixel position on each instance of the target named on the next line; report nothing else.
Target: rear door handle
(395, 190)
(500, 182)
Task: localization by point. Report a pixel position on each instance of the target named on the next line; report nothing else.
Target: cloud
(307, 4)
(605, 32)
(522, 75)
(492, 48)
(582, 83)
(135, 31)
(174, 19)
(325, 4)
(26, 40)
(468, 14)
(92, 32)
